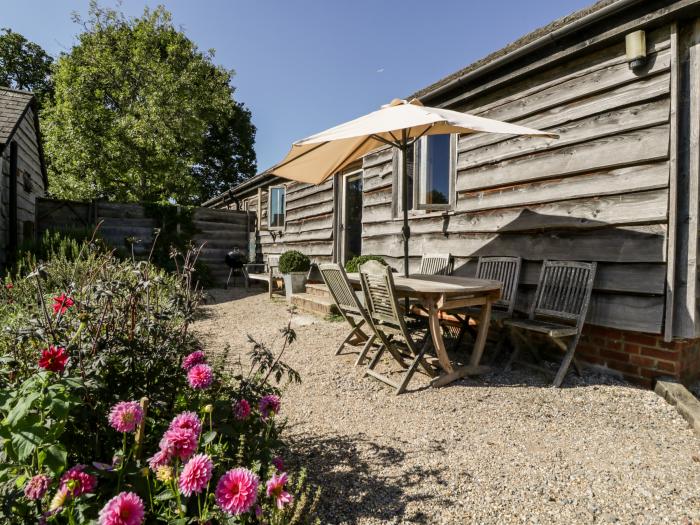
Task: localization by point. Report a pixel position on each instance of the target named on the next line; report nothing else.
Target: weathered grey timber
(619, 187)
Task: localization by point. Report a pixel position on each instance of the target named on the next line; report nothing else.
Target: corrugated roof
(530, 37)
(13, 104)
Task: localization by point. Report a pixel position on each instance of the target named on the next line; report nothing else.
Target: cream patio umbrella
(398, 124)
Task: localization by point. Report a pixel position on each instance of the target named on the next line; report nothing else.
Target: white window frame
(269, 207)
(418, 171)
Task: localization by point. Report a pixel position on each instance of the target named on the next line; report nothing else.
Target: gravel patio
(505, 448)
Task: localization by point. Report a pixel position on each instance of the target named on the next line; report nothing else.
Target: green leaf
(209, 437)
(165, 495)
(26, 440)
(55, 457)
(21, 409)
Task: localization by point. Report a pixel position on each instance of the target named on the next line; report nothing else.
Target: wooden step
(313, 304)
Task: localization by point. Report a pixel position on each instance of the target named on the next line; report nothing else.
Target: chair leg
(347, 338)
(566, 362)
(365, 350)
(516, 351)
(412, 369)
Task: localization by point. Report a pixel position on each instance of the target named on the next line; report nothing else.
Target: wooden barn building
(621, 186)
(22, 169)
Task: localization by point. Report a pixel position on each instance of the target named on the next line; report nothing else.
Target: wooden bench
(266, 272)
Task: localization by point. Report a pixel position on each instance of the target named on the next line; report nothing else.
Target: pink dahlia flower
(195, 358)
(269, 406)
(275, 490)
(126, 508)
(196, 474)
(125, 416)
(241, 410)
(179, 442)
(159, 459)
(188, 420)
(237, 491)
(200, 376)
(76, 482)
(37, 486)
(278, 463)
(62, 303)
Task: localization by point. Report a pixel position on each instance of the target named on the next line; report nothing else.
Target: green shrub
(294, 261)
(353, 265)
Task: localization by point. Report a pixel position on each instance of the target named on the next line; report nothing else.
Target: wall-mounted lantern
(636, 49)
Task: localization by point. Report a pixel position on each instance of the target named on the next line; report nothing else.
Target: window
(276, 208)
(431, 173)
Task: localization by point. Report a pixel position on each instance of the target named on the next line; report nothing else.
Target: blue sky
(305, 65)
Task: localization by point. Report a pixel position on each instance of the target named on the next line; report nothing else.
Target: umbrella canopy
(320, 156)
(398, 124)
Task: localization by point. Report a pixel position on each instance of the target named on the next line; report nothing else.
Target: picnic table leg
(436, 334)
(473, 368)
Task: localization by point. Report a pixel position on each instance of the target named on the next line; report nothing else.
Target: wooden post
(141, 430)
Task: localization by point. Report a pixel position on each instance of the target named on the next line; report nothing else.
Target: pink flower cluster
(241, 410)
(196, 474)
(126, 508)
(126, 416)
(275, 490)
(76, 482)
(179, 441)
(269, 405)
(37, 487)
(199, 374)
(237, 491)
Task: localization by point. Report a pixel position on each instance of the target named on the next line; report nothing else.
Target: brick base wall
(640, 357)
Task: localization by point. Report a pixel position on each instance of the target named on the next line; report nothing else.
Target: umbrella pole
(406, 230)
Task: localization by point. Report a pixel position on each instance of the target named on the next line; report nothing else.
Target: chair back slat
(436, 264)
(564, 291)
(505, 270)
(340, 288)
(380, 294)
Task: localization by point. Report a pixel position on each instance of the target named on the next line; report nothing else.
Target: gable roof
(13, 106)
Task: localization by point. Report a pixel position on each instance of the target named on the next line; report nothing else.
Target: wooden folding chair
(436, 264)
(505, 270)
(349, 306)
(558, 311)
(388, 322)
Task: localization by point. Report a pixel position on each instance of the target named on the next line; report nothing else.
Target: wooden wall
(219, 230)
(598, 193)
(29, 166)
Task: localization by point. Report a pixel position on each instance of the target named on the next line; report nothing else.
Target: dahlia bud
(208, 409)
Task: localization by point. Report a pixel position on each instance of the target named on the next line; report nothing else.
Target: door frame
(343, 210)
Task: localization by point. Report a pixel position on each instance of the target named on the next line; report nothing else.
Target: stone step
(318, 290)
(314, 304)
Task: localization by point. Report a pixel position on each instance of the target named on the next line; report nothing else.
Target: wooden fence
(220, 230)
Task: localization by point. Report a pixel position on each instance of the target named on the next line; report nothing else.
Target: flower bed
(111, 413)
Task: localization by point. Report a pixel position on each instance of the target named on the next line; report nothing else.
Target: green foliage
(294, 261)
(353, 265)
(126, 332)
(53, 244)
(24, 65)
(141, 114)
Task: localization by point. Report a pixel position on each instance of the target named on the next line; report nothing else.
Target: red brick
(612, 354)
(642, 339)
(667, 366)
(614, 345)
(632, 348)
(647, 362)
(672, 355)
(625, 368)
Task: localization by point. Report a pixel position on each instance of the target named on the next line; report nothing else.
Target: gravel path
(501, 449)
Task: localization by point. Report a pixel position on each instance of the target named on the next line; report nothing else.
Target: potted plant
(294, 267)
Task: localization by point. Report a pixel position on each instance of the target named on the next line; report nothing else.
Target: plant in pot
(294, 267)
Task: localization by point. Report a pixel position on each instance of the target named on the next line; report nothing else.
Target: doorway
(351, 239)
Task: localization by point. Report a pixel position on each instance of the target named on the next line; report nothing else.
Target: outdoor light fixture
(636, 47)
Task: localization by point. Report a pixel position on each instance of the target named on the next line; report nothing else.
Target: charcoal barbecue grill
(235, 261)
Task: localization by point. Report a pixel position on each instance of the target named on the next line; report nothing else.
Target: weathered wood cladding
(30, 183)
(308, 222)
(598, 193)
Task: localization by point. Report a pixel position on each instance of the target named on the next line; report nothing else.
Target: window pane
(276, 207)
(435, 170)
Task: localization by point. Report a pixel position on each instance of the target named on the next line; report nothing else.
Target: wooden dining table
(442, 293)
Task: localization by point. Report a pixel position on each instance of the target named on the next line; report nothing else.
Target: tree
(140, 114)
(24, 64)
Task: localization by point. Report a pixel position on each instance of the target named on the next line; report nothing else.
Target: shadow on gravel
(361, 479)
